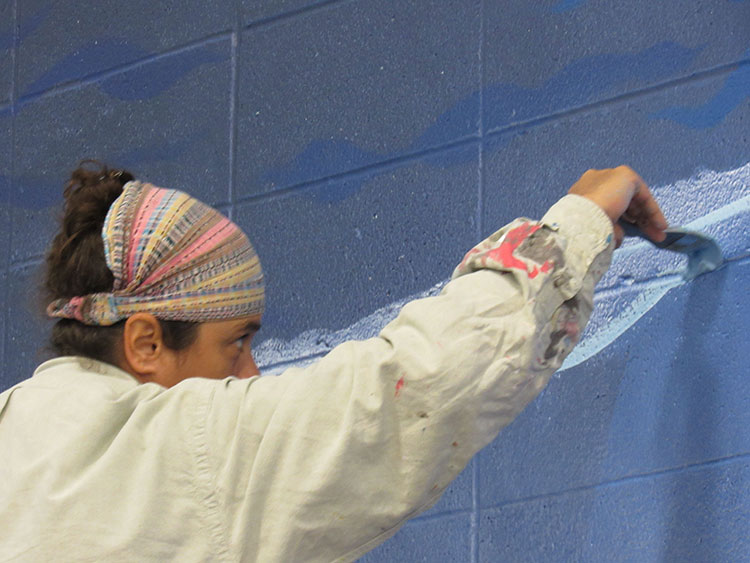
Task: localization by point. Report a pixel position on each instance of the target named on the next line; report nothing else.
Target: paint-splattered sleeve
(328, 461)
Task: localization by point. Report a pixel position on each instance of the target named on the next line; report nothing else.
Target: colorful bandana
(171, 256)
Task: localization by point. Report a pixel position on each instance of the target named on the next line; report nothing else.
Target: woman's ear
(143, 349)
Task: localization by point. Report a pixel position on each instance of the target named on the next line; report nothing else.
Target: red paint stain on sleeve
(468, 256)
(399, 386)
(513, 239)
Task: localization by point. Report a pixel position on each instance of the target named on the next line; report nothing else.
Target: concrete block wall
(365, 145)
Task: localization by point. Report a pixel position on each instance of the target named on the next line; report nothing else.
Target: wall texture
(365, 145)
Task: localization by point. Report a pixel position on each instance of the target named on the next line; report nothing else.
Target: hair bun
(75, 261)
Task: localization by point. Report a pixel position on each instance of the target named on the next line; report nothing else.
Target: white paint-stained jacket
(317, 464)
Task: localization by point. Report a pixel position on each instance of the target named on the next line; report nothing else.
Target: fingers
(645, 212)
(619, 235)
(622, 192)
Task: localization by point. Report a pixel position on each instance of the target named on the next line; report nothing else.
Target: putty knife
(703, 254)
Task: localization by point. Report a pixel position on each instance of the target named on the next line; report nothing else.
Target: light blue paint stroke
(641, 305)
(505, 104)
(735, 91)
(281, 354)
(651, 294)
(143, 81)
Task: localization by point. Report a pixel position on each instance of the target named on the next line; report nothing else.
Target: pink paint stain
(399, 386)
(511, 241)
(572, 330)
(468, 256)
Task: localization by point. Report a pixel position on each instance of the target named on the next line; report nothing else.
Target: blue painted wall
(365, 145)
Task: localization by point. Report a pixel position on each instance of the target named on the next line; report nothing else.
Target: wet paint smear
(724, 198)
(605, 327)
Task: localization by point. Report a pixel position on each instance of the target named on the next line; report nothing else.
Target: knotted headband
(171, 256)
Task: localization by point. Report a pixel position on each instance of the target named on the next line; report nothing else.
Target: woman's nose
(245, 366)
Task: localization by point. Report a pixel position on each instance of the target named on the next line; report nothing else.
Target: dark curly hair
(75, 265)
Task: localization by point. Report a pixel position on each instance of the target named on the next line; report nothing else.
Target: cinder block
(683, 398)
(669, 392)
(5, 235)
(335, 252)
(5, 381)
(5, 168)
(696, 514)
(65, 41)
(378, 84)
(28, 329)
(539, 164)
(435, 539)
(6, 51)
(254, 11)
(458, 495)
(546, 58)
(167, 121)
(560, 440)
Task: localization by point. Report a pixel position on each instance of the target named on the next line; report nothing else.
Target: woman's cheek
(245, 367)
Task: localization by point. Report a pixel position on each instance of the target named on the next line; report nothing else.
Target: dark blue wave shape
(95, 56)
(41, 191)
(149, 80)
(566, 6)
(26, 27)
(504, 103)
(735, 91)
(141, 82)
(582, 82)
(319, 159)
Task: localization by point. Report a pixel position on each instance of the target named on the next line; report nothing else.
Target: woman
(150, 436)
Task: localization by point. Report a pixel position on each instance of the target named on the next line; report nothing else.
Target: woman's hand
(621, 192)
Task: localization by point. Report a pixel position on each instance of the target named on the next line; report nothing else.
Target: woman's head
(133, 261)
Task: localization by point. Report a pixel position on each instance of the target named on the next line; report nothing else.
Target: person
(151, 437)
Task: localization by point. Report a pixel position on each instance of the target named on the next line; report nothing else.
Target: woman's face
(221, 349)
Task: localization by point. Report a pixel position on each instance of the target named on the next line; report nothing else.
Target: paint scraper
(703, 253)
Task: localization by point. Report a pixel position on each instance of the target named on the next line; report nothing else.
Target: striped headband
(171, 256)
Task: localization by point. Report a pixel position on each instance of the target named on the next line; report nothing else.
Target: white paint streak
(619, 311)
(610, 328)
(277, 352)
(707, 202)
